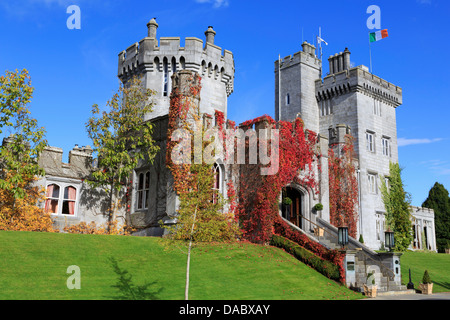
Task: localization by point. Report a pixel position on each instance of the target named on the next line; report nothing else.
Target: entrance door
(294, 211)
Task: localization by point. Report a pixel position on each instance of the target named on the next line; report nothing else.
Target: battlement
(420, 211)
(205, 58)
(307, 56)
(79, 166)
(358, 79)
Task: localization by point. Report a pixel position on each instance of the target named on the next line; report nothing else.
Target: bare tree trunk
(186, 293)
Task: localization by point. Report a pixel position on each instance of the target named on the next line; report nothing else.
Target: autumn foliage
(24, 214)
(343, 188)
(259, 195)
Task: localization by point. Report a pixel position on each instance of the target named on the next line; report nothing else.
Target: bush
(326, 268)
(318, 207)
(361, 239)
(426, 278)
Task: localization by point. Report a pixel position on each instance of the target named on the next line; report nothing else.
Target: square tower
(367, 104)
(295, 89)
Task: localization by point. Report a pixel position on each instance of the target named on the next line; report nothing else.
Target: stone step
(399, 292)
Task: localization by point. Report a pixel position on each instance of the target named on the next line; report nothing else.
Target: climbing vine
(259, 195)
(343, 187)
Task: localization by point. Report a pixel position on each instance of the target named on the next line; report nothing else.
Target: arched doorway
(293, 206)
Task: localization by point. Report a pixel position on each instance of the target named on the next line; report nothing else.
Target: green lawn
(33, 266)
(438, 266)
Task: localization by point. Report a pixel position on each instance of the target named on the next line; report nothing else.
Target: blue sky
(73, 69)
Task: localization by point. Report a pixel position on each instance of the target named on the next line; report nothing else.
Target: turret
(210, 35)
(152, 27)
(156, 61)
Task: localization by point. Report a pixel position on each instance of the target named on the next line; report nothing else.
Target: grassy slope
(438, 266)
(33, 266)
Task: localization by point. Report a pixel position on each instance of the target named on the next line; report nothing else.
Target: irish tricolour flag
(376, 36)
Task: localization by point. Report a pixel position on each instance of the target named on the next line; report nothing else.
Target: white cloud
(402, 142)
(440, 167)
(216, 3)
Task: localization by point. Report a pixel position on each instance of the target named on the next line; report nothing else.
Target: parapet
(358, 79)
(205, 58)
(307, 56)
(420, 212)
(79, 166)
(337, 134)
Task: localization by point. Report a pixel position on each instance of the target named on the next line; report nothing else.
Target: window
(379, 226)
(165, 77)
(52, 202)
(61, 203)
(325, 108)
(288, 99)
(386, 144)
(143, 190)
(372, 179)
(377, 107)
(370, 140)
(217, 181)
(69, 201)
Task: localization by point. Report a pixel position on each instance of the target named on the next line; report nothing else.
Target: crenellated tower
(155, 61)
(294, 87)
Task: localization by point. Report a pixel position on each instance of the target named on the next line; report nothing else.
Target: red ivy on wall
(258, 205)
(343, 188)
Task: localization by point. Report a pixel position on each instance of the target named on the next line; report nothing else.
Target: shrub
(426, 278)
(326, 268)
(361, 239)
(318, 207)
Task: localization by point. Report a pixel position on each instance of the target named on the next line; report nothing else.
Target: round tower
(154, 62)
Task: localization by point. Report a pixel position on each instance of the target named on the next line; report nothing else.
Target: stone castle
(348, 100)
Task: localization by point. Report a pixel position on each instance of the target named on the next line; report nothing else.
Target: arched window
(52, 201)
(218, 181)
(165, 77)
(182, 63)
(70, 198)
(143, 190)
(61, 203)
(174, 65)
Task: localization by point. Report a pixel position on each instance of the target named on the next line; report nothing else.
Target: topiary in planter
(426, 286)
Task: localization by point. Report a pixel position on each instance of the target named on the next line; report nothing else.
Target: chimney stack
(152, 27)
(339, 62)
(210, 35)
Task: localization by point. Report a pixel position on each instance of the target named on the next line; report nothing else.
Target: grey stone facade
(348, 100)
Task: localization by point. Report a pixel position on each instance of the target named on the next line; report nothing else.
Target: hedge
(326, 268)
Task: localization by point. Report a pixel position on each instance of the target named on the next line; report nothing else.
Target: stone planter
(318, 232)
(426, 288)
(370, 291)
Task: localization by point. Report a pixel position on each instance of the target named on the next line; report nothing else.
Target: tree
(397, 203)
(19, 155)
(121, 139)
(439, 200)
(200, 216)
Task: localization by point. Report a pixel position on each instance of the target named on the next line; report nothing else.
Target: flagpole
(279, 87)
(370, 52)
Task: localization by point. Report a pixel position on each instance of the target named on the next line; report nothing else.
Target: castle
(348, 100)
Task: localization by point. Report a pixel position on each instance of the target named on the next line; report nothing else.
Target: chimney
(210, 34)
(309, 48)
(152, 27)
(339, 62)
(346, 59)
